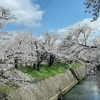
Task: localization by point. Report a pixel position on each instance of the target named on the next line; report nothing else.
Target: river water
(88, 89)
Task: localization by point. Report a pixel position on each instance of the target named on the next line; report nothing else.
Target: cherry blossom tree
(5, 16)
(96, 42)
(70, 50)
(19, 49)
(23, 48)
(93, 6)
(76, 41)
(49, 46)
(79, 33)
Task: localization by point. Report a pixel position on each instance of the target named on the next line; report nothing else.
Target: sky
(43, 15)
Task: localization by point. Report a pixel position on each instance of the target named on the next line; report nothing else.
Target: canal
(88, 89)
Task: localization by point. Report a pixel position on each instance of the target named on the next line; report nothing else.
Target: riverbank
(48, 89)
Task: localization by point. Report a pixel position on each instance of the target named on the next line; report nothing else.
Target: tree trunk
(51, 60)
(38, 55)
(34, 66)
(38, 66)
(16, 63)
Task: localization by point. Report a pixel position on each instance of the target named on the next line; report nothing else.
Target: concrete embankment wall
(79, 72)
(48, 89)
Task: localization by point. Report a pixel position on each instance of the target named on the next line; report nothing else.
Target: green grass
(7, 89)
(76, 65)
(45, 71)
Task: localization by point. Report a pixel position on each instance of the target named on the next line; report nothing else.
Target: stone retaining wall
(48, 89)
(79, 72)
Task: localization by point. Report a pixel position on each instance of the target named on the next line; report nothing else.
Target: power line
(46, 4)
(40, 15)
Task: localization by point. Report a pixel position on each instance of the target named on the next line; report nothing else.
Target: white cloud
(94, 25)
(28, 13)
(62, 31)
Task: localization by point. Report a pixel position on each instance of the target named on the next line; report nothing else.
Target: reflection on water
(88, 89)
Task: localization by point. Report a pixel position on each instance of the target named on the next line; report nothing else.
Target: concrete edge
(63, 91)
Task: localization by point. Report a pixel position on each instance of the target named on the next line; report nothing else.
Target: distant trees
(26, 49)
(23, 48)
(93, 6)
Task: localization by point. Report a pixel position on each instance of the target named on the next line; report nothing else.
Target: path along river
(88, 89)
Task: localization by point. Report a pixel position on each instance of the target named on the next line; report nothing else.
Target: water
(88, 89)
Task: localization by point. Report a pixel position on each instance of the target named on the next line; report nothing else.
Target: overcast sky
(42, 15)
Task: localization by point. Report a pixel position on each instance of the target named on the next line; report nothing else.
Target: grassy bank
(45, 71)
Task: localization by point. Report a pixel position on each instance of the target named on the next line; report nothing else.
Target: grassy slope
(45, 71)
